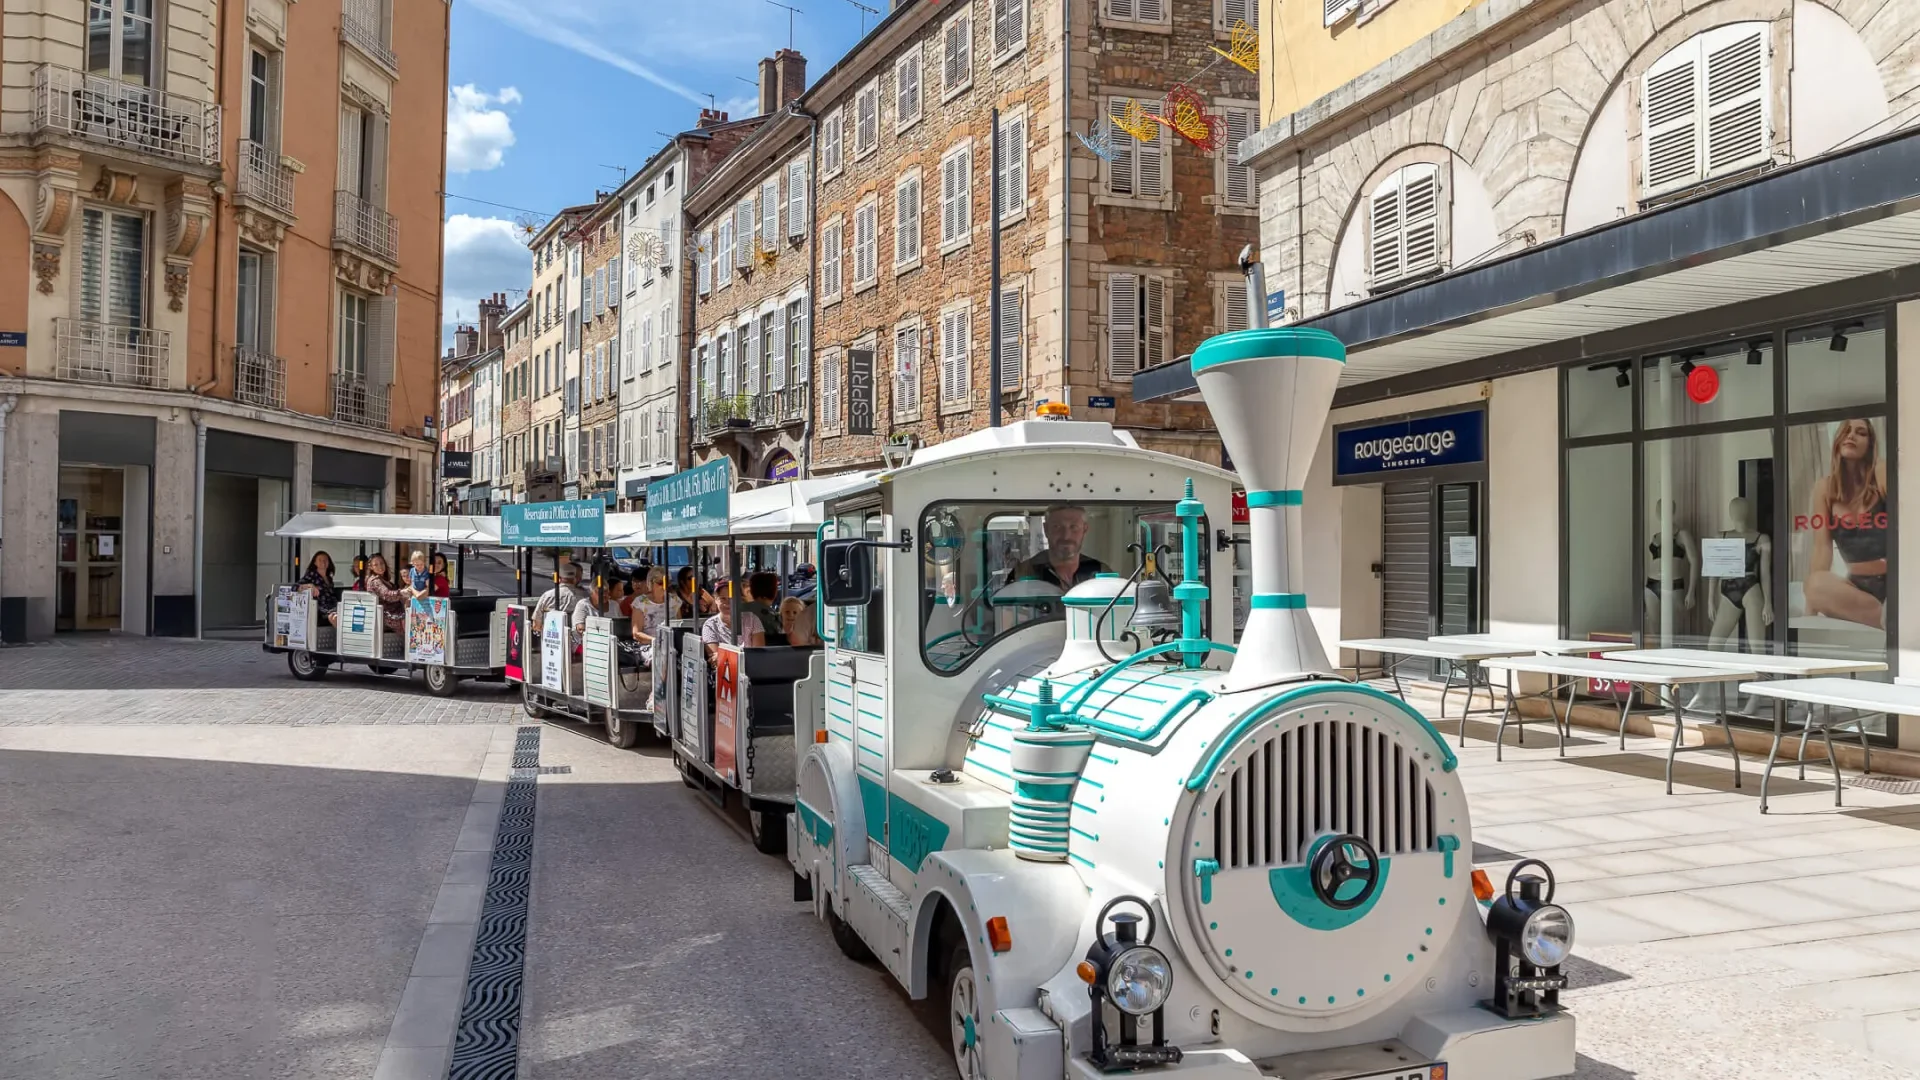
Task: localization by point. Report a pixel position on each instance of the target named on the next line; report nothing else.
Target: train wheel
(844, 936)
(441, 682)
(526, 702)
(961, 1007)
(769, 831)
(622, 732)
(304, 666)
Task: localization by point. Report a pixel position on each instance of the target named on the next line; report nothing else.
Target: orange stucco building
(220, 256)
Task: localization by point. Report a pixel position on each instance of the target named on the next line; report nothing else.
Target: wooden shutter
(905, 382)
(906, 87)
(1383, 232)
(958, 67)
(830, 260)
(797, 199)
(382, 322)
(830, 135)
(1120, 169)
(830, 390)
(750, 361)
(1670, 120)
(954, 373)
(1736, 85)
(1150, 11)
(1013, 339)
(1153, 291)
(743, 234)
(867, 108)
(1150, 160)
(1339, 9)
(1123, 325)
(1013, 162)
(1009, 24)
(1236, 11)
(1240, 178)
(1422, 217)
(1233, 301)
(703, 261)
(777, 352)
(723, 252)
(865, 244)
(1120, 9)
(906, 223)
(770, 213)
(348, 175)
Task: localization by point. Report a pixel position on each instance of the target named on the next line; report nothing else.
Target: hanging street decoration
(1185, 112)
(698, 247)
(1243, 47)
(1099, 139)
(1136, 121)
(765, 256)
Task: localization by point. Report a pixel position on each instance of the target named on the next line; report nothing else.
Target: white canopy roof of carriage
(626, 530)
(396, 528)
(789, 509)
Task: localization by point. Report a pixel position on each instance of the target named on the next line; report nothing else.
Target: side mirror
(846, 573)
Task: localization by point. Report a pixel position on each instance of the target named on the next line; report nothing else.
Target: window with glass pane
(862, 628)
(257, 96)
(990, 569)
(1600, 399)
(1729, 381)
(1709, 506)
(1599, 540)
(1837, 365)
(247, 333)
(1840, 519)
(120, 43)
(113, 268)
(353, 335)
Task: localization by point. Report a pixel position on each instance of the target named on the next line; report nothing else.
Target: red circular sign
(1703, 383)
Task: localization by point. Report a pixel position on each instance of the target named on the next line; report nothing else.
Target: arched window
(1406, 226)
(1706, 108)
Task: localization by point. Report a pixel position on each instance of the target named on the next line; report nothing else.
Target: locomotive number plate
(1437, 1071)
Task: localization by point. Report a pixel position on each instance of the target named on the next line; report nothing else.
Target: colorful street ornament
(1243, 46)
(1099, 139)
(765, 256)
(698, 247)
(1136, 121)
(1186, 113)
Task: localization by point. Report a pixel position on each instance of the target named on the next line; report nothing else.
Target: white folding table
(1527, 646)
(1863, 699)
(1662, 679)
(1462, 659)
(1767, 666)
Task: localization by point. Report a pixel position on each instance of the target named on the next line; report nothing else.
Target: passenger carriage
(1060, 805)
(445, 639)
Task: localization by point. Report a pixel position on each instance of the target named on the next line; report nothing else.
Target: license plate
(1414, 1072)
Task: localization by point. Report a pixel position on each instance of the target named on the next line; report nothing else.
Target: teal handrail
(1086, 689)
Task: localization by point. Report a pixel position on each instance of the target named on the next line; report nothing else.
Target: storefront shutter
(1670, 120)
(1406, 542)
(1123, 325)
(1736, 95)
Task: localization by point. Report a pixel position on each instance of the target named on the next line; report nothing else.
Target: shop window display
(1706, 554)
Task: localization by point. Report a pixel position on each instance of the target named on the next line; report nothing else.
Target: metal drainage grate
(1890, 785)
(541, 770)
(486, 1045)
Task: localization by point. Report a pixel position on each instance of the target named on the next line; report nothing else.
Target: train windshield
(990, 568)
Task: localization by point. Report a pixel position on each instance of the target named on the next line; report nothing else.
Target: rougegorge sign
(1423, 442)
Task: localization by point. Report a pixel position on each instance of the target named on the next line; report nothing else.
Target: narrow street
(214, 871)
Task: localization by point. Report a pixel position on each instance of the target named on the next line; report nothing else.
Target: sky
(547, 94)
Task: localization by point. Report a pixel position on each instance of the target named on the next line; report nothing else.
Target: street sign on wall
(577, 523)
(690, 503)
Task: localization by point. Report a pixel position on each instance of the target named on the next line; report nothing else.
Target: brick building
(752, 283)
(1142, 268)
(598, 240)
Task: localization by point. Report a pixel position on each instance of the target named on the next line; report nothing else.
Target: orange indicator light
(998, 936)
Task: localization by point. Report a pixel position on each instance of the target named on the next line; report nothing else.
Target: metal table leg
(1562, 726)
(1727, 730)
(1779, 728)
(1679, 726)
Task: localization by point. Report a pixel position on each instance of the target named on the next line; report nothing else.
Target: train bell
(1153, 607)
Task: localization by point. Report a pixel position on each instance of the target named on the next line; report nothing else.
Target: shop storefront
(248, 493)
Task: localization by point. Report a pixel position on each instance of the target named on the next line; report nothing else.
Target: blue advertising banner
(690, 504)
(1424, 442)
(578, 523)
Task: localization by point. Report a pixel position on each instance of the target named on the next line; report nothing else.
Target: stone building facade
(599, 239)
(752, 271)
(1105, 267)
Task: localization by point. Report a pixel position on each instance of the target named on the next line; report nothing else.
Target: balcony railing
(104, 353)
(263, 179)
(360, 224)
(363, 25)
(125, 116)
(259, 378)
(358, 401)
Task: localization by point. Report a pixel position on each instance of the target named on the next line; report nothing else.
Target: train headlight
(1532, 937)
(1126, 974)
(1139, 980)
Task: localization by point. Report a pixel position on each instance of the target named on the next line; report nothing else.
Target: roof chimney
(790, 75)
(769, 88)
(710, 118)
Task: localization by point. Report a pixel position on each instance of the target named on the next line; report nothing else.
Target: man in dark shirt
(1062, 565)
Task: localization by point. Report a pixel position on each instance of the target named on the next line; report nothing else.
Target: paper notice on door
(1723, 556)
(1463, 551)
(106, 546)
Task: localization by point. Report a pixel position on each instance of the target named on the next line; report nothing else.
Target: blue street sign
(578, 523)
(690, 504)
(1425, 442)
(1098, 402)
(1276, 305)
(13, 339)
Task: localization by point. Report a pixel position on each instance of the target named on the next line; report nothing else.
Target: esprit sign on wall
(1422, 442)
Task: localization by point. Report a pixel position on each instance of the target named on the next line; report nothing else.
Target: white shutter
(1009, 25)
(706, 367)
(797, 199)
(703, 262)
(906, 223)
(1240, 178)
(906, 87)
(958, 52)
(770, 213)
(1011, 159)
(1384, 260)
(831, 240)
(1013, 339)
(865, 220)
(1233, 300)
(1150, 160)
(351, 150)
(743, 234)
(830, 136)
(1420, 210)
(600, 291)
(1670, 120)
(1339, 9)
(1237, 11)
(1154, 327)
(1120, 9)
(723, 252)
(1123, 325)
(830, 390)
(867, 117)
(751, 361)
(954, 373)
(382, 322)
(799, 342)
(613, 282)
(1120, 169)
(1737, 69)
(1151, 11)
(905, 384)
(956, 197)
(777, 353)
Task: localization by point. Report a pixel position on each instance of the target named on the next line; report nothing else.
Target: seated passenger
(566, 597)
(317, 582)
(442, 582)
(763, 597)
(796, 624)
(718, 630)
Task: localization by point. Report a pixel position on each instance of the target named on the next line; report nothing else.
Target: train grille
(1317, 778)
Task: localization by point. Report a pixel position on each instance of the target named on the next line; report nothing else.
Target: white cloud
(484, 255)
(478, 128)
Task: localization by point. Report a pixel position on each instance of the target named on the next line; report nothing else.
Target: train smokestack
(1269, 391)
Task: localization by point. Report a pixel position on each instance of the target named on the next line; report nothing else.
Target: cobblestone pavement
(114, 680)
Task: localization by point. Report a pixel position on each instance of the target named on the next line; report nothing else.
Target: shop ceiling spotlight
(1686, 367)
(1624, 378)
(1753, 353)
(1839, 342)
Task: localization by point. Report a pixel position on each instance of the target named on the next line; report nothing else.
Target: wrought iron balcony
(363, 25)
(359, 224)
(357, 401)
(125, 116)
(263, 180)
(105, 353)
(259, 378)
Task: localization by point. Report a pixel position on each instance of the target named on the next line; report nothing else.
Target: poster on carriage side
(282, 613)
(726, 709)
(692, 725)
(553, 652)
(516, 666)
(299, 617)
(427, 629)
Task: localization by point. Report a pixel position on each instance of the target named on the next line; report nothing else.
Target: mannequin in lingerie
(1673, 566)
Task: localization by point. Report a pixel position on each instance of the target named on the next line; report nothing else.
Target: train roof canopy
(399, 528)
